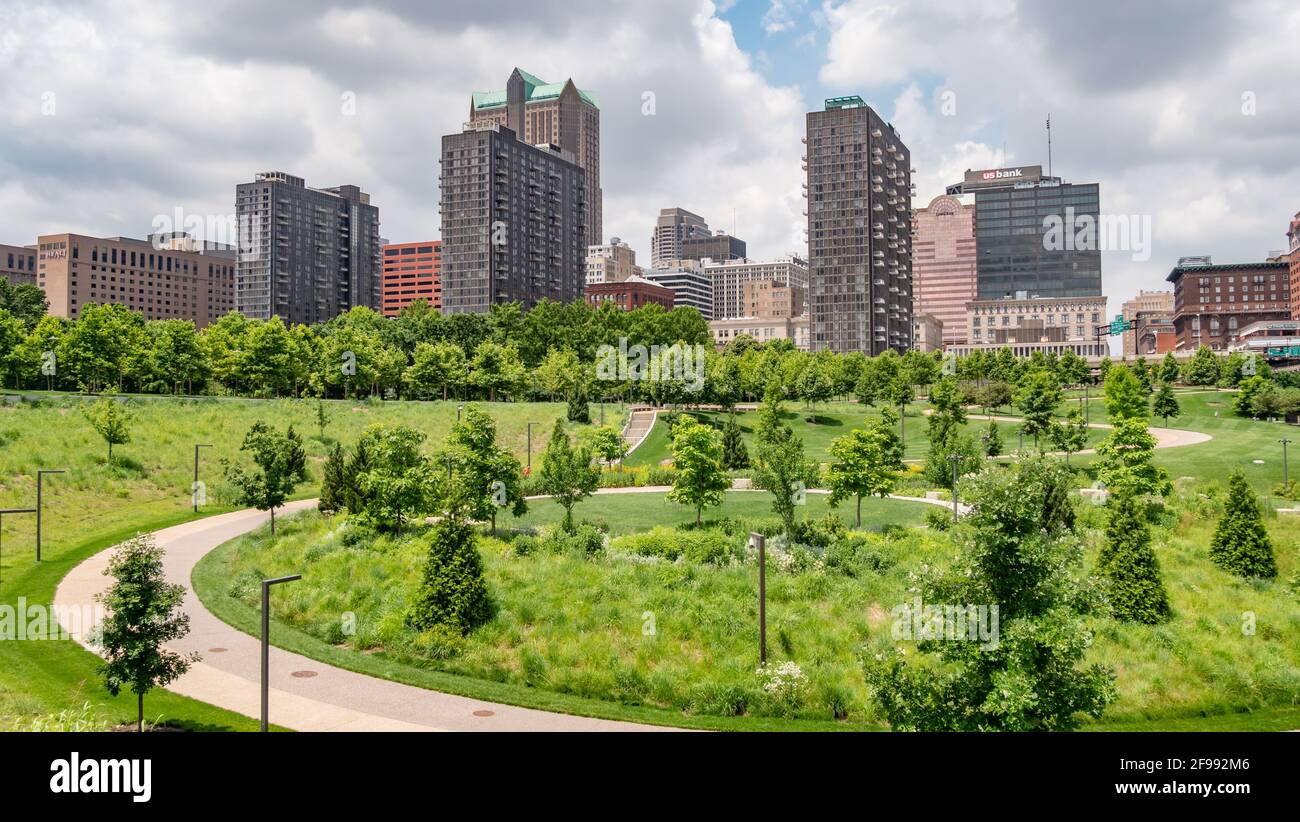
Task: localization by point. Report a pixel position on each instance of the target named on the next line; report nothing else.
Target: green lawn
(96, 505)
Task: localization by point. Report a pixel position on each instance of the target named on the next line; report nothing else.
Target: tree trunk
(859, 510)
(273, 521)
(139, 715)
(697, 516)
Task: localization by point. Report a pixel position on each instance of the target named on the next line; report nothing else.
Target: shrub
(938, 520)
(1240, 544)
(711, 547)
(720, 699)
(785, 689)
(855, 555)
(453, 592)
(587, 540)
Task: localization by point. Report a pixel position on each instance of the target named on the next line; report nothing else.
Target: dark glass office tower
(1014, 215)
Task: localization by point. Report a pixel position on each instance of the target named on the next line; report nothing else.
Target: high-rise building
(1293, 242)
(559, 114)
(1027, 233)
(859, 191)
(611, 263)
(160, 282)
(689, 284)
(673, 228)
(306, 254)
(514, 221)
(721, 246)
(728, 281)
(18, 264)
(1213, 303)
(412, 271)
(943, 264)
(1146, 309)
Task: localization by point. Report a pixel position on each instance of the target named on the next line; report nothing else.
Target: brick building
(412, 271)
(1213, 303)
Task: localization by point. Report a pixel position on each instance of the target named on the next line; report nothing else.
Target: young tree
(734, 453)
(699, 480)
(1125, 460)
(1202, 368)
(322, 417)
(333, 481)
(992, 440)
(783, 471)
(579, 410)
(948, 409)
(1168, 372)
(281, 464)
(453, 592)
(865, 464)
(1165, 403)
(1072, 435)
(1019, 552)
(1128, 567)
(1037, 399)
(111, 420)
(400, 482)
(490, 477)
(1240, 544)
(567, 475)
(144, 614)
(497, 368)
(609, 445)
(939, 464)
(995, 395)
(1125, 396)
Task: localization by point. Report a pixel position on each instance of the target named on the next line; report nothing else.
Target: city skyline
(1165, 130)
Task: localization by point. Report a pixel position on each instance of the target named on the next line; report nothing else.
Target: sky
(120, 114)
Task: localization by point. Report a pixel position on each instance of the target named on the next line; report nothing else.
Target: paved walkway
(1165, 437)
(306, 695)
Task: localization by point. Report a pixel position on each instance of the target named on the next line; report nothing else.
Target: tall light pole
(1087, 406)
(530, 448)
(194, 489)
(760, 543)
(1285, 442)
(266, 641)
(954, 459)
(40, 475)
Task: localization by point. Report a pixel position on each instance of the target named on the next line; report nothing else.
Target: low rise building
(612, 263)
(1213, 302)
(629, 294)
(769, 299)
(1026, 324)
(18, 264)
(763, 330)
(728, 278)
(927, 333)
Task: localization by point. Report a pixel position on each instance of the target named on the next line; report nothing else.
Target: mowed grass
(570, 631)
(819, 427)
(96, 505)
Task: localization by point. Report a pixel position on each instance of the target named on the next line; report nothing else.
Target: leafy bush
(785, 689)
(855, 555)
(587, 540)
(705, 547)
(938, 520)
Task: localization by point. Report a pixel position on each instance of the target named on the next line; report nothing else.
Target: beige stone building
(18, 264)
(160, 283)
(927, 333)
(771, 300)
(762, 330)
(729, 277)
(1027, 324)
(611, 263)
(1147, 308)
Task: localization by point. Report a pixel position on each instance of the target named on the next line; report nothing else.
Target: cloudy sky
(1185, 111)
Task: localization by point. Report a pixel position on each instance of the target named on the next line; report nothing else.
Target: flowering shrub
(785, 688)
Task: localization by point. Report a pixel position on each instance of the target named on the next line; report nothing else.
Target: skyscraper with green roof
(558, 114)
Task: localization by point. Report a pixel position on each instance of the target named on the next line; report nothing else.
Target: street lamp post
(194, 489)
(760, 542)
(266, 641)
(1285, 442)
(40, 476)
(1087, 406)
(530, 448)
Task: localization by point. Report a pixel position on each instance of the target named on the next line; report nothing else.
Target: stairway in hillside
(638, 427)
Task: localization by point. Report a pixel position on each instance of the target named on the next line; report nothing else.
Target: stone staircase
(639, 423)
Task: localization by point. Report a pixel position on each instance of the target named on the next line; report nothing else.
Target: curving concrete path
(1165, 437)
(306, 695)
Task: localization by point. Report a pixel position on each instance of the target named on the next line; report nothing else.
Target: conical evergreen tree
(1129, 568)
(1241, 545)
(579, 410)
(453, 592)
(333, 485)
(993, 440)
(734, 453)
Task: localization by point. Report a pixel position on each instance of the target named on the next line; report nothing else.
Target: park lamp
(266, 643)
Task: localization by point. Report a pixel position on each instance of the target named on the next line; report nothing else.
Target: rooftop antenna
(1049, 144)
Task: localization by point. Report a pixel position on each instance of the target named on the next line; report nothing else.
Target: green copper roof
(844, 102)
(535, 90)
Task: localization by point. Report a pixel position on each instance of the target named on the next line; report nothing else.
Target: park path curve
(1165, 437)
(330, 698)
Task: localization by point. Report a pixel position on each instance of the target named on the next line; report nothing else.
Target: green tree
(1128, 566)
(699, 480)
(144, 615)
(453, 593)
(437, 369)
(1169, 371)
(865, 463)
(1125, 396)
(322, 417)
(280, 465)
(25, 302)
(783, 471)
(567, 475)
(579, 410)
(333, 483)
(1202, 368)
(1240, 544)
(1018, 551)
(992, 440)
(111, 420)
(400, 482)
(1072, 435)
(938, 462)
(734, 454)
(1165, 404)
(490, 477)
(497, 369)
(1125, 460)
(12, 336)
(1037, 399)
(1244, 403)
(178, 354)
(608, 444)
